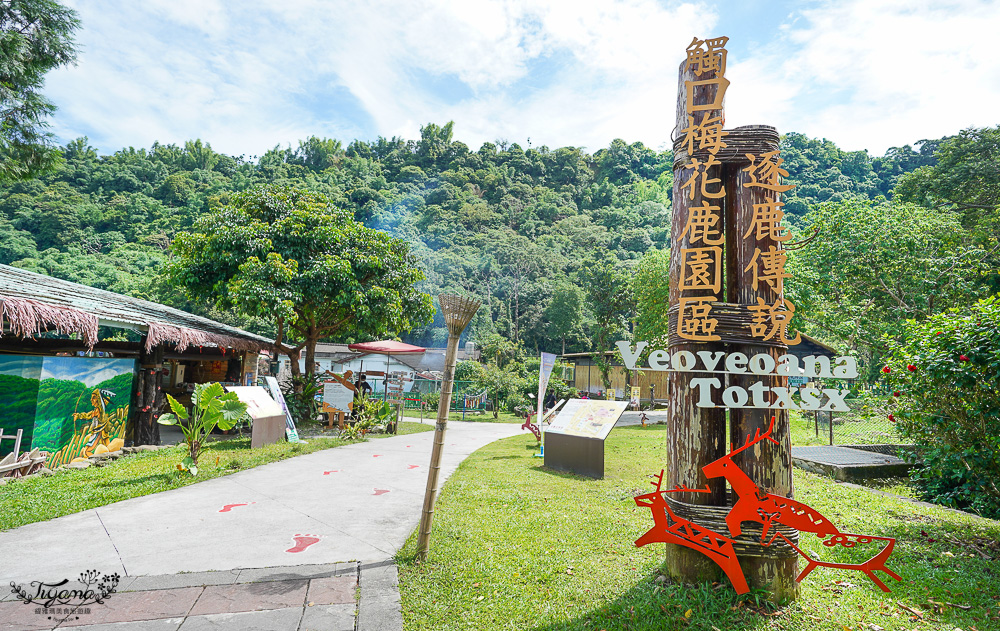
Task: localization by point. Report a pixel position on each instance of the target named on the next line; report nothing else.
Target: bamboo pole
(458, 311)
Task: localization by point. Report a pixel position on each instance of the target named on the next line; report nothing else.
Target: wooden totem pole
(726, 296)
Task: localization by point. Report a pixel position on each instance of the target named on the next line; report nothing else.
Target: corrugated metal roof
(111, 309)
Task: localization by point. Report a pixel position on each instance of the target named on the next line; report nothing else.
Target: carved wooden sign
(727, 357)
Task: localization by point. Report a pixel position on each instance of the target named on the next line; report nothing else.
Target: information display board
(338, 396)
(588, 418)
(574, 442)
(268, 417)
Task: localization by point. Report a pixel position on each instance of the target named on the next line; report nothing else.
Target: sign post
(544, 372)
(726, 295)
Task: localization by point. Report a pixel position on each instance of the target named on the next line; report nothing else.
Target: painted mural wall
(79, 405)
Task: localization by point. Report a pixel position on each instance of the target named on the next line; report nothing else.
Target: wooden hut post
(695, 436)
(149, 396)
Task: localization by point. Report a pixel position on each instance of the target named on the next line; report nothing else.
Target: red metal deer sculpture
(752, 504)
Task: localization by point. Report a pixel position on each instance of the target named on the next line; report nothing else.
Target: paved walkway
(311, 526)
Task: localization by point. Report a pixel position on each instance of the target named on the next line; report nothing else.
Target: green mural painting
(71, 407)
(19, 378)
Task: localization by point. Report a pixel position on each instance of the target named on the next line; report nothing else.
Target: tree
(965, 179)
(876, 264)
(309, 266)
(611, 302)
(651, 286)
(36, 36)
(565, 314)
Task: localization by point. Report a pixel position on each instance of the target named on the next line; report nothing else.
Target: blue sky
(246, 76)
(89, 370)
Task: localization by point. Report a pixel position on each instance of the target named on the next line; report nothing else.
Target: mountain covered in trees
(552, 240)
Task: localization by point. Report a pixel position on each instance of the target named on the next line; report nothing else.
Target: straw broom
(458, 311)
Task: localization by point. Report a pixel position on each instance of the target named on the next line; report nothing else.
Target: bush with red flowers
(950, 407)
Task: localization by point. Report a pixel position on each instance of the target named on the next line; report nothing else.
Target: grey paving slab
(164, 624)
(250, 597)
(329, 618)
(188, 579)
(379, 606)
(288, 572)
(273, 620)
(843, 456)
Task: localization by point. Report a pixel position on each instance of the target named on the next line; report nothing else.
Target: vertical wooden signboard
(726, 298)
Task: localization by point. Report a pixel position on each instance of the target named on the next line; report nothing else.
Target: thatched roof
(32, 303)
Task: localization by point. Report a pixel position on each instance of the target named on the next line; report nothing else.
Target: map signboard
(587, 418)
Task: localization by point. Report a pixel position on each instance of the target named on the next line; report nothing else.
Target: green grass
(516, 546)
(39, 498)
(409, 427)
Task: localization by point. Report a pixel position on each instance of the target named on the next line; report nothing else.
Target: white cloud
(880, 73)
(247, 76)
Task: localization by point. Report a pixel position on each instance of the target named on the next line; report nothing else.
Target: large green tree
(612, 303)
(307, 264)
(651, 287)
(876, 264)
(966, 181)
(36, 36)
(565, 315)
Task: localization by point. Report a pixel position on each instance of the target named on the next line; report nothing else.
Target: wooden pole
(770, 467)
(695, 436)
(149, 397)
(458, 312)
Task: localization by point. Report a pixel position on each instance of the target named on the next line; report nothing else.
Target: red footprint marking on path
(302, 542)
(376, 455)
(409, 445)
(413, 466)
(380, 491)
(229, 507)
(329, 472)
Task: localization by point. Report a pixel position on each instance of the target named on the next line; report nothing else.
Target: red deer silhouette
(752, 504)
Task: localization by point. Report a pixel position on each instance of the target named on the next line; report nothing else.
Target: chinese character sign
(701, 263)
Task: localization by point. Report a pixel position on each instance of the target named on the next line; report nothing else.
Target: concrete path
(356, 503)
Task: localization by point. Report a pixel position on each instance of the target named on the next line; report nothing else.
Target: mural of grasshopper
(752, 504)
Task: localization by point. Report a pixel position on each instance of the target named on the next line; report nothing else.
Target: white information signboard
(338, 396)
(588, 418)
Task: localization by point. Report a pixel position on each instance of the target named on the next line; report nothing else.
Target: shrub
(945, 381)
(300, 393)
(432, 399)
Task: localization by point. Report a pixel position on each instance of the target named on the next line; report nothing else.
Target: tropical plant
(212, 406)
(371, 415)
(300, 393)
(945, 381)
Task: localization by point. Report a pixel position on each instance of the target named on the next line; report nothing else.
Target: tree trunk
(770, 466)
(312, 337)
(149, 397)
(695, 436)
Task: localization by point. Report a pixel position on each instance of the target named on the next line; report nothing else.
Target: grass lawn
(39, 498)
(516, 546)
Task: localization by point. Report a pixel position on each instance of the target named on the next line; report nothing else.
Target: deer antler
(758, 437)
(659, 481)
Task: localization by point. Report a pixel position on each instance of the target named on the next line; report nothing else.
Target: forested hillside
(539, 233)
